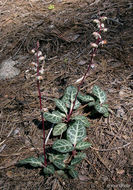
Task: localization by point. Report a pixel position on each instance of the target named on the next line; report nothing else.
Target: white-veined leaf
(62, 174)
(101, 109)
(52, 117)
(59, 129)
(61, 105)
(49, 169)
(106, 114)
(59, 164)
(73, 94)
(63, 145)
(85, 98)
(91, 104)
(82, 119)
(100, 94)
(73, 173)
(62, 157)
(76, 132)
(69, 90)
(35, 162)
(58, 113)
(76, 161)
(80, 155)
(83, 145)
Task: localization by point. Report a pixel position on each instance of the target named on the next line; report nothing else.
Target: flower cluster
(35, 65)
(97, 34)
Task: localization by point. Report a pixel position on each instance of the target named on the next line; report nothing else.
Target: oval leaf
(76, 132)
(101, 109)
(49, 169)
(59, 129)
(35, 162)
(59, 164)
(53, 118)
(85, 98)
(83, 145)
(63, 146)
(61, 105)
(76, 161)
(82, 119)
(100, 94)
(73, 173)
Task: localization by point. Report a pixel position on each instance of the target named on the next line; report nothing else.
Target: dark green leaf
(76, 132)
(63, 146)
(49, 169)
(83, 145)
(35, 162)
(59, 164)
(53, 118)
(80, 155)
(85, 98)
(76, 161)
(61, 105)
(73, 173)
(82, 119)
(100, 94)
(59, 129)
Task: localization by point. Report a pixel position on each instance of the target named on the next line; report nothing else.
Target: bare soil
(65, 33)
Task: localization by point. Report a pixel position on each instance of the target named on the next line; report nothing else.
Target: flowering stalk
(39, 58)
(94, 46)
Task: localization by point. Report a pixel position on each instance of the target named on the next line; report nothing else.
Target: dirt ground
(65, 33)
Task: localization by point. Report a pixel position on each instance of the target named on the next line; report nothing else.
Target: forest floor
(64, 33)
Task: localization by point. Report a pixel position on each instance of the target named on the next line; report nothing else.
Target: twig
(110, 149)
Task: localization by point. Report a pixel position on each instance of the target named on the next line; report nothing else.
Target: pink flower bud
(103, 18)
(94, 45)
(105, 29)
(39, 78)
(41, 58)
(33, 51)
(96, 35)
(96, 21)
(39, 53)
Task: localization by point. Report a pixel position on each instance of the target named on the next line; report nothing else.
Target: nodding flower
(93, 45)
(33, 51)
(105, 29)
(41, 58)
(39, 78)
(103, 18)
(39, 53)
(103, 42)
(96, 35)
(96, 21)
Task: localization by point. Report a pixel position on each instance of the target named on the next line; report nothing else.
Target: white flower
(96, 35)
(103, 42)
(92, 66)
(105, 29)
(41, 71)
(96, 21)
(103, 18)
(39, 78)
(39, 53)
(41, 58)
(102, 25)
(94, 45)
(34, 64)
(33, 51)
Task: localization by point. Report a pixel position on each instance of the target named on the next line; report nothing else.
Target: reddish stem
(94, 50)
(40, 101)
